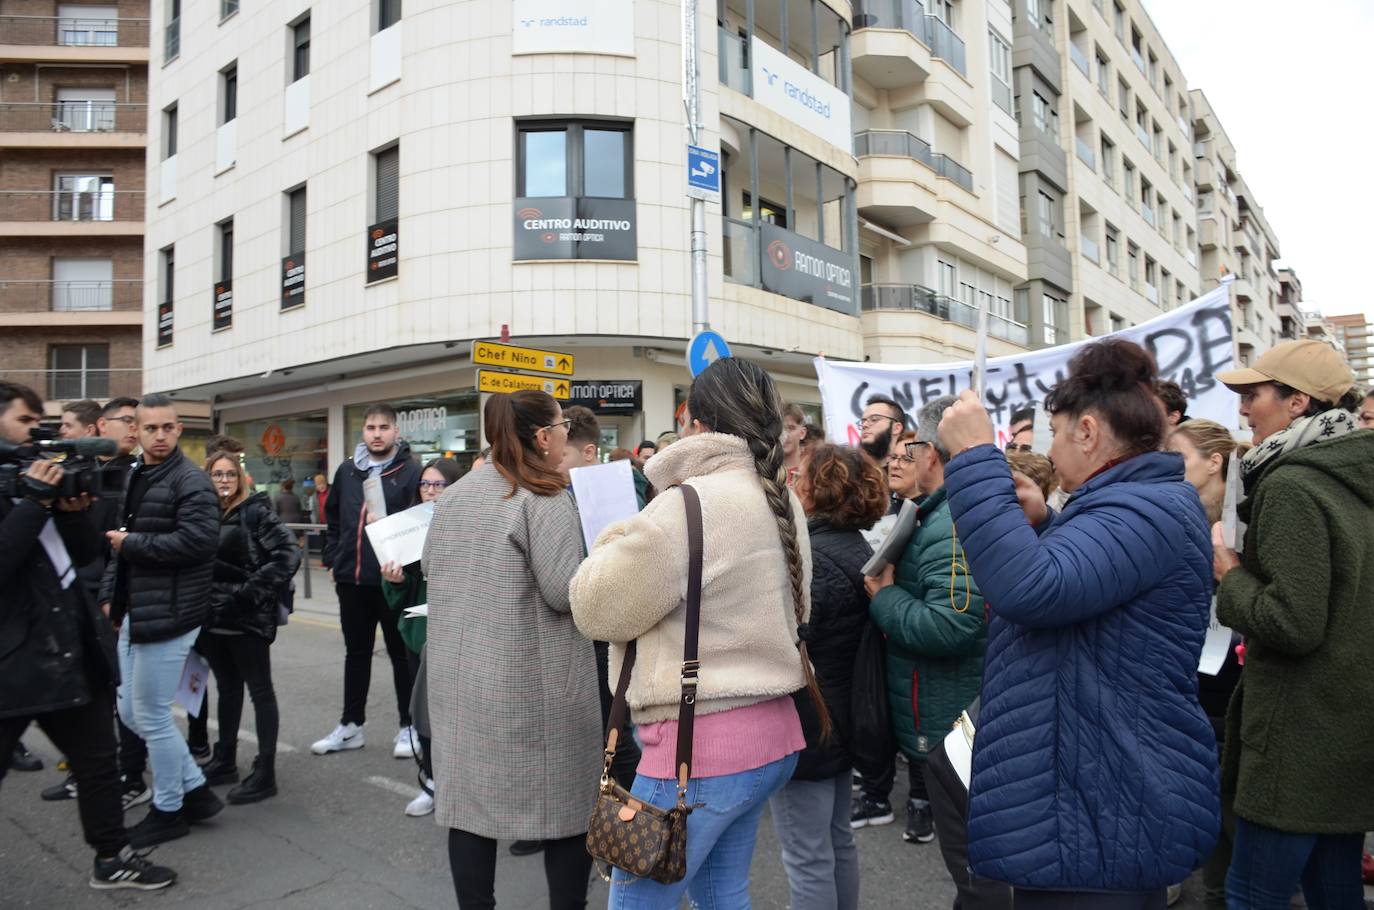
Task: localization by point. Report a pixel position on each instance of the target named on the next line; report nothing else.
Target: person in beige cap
(1299, 746)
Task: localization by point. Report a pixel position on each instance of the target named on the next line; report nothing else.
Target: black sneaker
(526, 847)
(133, 792)
(201, 804)
(158, 827)
(22, 759)
(920, 823)
(59, 792)
(130, 870)
(868, 812)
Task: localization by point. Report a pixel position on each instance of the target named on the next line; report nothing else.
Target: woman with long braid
(756, 584)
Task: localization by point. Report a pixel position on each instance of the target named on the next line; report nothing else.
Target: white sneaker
(423, 803)
(407, 742)
(343, 737)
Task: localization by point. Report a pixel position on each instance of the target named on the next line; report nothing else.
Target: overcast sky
(1291, 84)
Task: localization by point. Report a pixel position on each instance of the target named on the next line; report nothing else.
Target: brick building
(73, 129)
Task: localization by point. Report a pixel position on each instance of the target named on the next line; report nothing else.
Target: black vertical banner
(293, 281)
(164, 324)
(383, 251)
(224, 304)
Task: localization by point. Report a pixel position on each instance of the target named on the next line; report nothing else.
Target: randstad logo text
(798, 94)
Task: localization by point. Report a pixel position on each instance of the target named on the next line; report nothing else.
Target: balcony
(1085, 153)
(73, 39)
(890, 47)
(74, 124)
(896, 143)
(897, 178)
(915, 298)
(1080, 60)
(95, 212)
(950, 169)
(1209, 232)
(67, 385)
(946, 45)
(1089, 248)
(79, 303)
(740, 251)
(1206, 174)
(733, 58)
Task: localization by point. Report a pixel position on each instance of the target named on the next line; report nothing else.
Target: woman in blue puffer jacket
(1095, 769)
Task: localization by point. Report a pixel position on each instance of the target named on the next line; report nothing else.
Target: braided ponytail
(739, 398)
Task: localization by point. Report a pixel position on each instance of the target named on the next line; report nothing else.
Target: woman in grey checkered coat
(512, 684)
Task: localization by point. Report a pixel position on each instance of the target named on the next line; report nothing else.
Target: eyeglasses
(224, 475)
(1018, 447)
(553, 426)
(433, 484)
(127, 420)
(872, 419)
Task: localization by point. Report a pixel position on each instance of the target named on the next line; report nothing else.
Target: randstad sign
(790, 90)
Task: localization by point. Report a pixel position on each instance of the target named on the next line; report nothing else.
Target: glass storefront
(281, 448)
(436, 426)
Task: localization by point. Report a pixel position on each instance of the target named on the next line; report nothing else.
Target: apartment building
(1290, 304)
(1234, 236)
(73, 102)
(1353, 331)
(1125, 126)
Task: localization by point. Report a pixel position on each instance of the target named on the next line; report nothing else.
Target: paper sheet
(1216, 646)
(191, 690)
(420, 610)
(605, 493)
(400, 538)
(894, 544)
(374, 497)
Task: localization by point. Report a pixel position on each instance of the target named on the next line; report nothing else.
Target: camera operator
(57, 661)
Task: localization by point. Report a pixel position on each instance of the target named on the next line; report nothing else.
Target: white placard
(795, 93)
(1190, 344)
(1216, 646)
(400, 538)
(195, 675)
(605, 493)
(573, 27)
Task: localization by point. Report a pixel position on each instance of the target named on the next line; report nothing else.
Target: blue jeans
(1267, 866)
(811, 819)
(149, 675)
(720, 839)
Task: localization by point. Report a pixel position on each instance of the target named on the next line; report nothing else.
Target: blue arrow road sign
(705, 348)
(703, 170)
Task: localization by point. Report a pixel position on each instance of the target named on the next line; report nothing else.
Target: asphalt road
(336, 836)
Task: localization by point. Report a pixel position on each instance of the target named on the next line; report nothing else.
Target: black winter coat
(106, 515)
(256, 558)
(839, 612)
(56, 648)
(160, 580)
(346, 548)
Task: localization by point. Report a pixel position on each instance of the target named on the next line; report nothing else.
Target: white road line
(180, 712)
(394, 786)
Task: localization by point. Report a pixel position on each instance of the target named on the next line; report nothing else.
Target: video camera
(80, 470)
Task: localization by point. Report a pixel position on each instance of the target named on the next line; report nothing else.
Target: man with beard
(882, 424)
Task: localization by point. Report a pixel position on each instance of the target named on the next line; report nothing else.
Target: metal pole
(691, 84)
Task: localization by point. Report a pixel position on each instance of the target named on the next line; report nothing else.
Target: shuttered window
(387, 191)
(226, 250)
(300, 39)
(295, 220)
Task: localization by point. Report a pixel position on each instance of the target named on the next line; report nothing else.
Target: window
(1049, 311)
(1046, 118)
(948, 273)
(1133, 264)
(1103, 74)
(169, 132)
(1151, 272)
(1113, 251)
(769, 212)
(79, 371)
(386, 185)
(83, 197)
(87, 26)
(1045, 202)
(388, 13)
(1118, 323)
(1108, 162)
(227, 8)
(1033, 12)
(295, 221)
(85, 110)
(575, 159)
(300, 49)
(167, 289)
(1129, 170)
(944, 11)
(1154, 70)
(1119, 21)
(229, 93)
(1123, 92)
(1000, 54)
(82, 285)
(226, 251)
(171, 48)
(1178, 229)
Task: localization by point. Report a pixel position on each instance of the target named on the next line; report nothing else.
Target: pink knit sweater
(730, 742)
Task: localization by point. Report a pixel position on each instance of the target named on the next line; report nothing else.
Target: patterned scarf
(1304, 431)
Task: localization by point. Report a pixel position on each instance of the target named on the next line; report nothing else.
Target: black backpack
(873, 740)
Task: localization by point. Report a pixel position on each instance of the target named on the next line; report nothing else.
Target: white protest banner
(605, 493)
(1190, 344)
(400, 538)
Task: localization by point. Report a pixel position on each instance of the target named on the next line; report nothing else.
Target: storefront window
(284, 448)
(436, 426)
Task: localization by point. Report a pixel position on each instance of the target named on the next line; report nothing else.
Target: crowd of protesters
(1054, 602)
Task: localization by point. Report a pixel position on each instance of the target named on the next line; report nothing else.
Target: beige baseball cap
(1309, 366)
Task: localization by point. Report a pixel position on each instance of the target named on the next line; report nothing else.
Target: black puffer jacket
(256, 558)
(839, 612)
(347, 551)
(160, 579)
(55, 646)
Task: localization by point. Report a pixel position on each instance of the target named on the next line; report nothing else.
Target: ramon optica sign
(800, 268)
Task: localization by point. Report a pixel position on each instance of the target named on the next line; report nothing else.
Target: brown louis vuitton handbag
(628, 833)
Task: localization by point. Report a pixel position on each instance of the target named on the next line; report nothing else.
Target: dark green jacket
(641, 487)
(409, 593)
(1299, 751)
(935, 639)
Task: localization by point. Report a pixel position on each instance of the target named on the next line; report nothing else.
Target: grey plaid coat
(513, 699)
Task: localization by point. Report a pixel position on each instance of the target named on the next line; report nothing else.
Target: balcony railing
(948, 168)
(1089, 248)
(68, 385)
(1148, 214)
(1085, 153)
(893, 143)
(734, 59)
(1080, 60)
(922, 299)
(1152, 294)
(93, 205)
(1001, 95)
(73, 117)
(1139, 60)
(1191, 257)
(740, 252)
(1144, 136)
(945, 44)
(904, 14)
(26, 296)
(73, 31)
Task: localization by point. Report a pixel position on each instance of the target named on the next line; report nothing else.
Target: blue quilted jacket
(1094, 767)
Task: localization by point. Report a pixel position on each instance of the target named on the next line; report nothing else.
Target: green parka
(1299, 751)
(936, 639)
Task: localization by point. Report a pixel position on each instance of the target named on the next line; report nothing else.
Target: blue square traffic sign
(703, 171)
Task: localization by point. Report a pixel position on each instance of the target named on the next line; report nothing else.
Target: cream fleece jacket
(634, 585)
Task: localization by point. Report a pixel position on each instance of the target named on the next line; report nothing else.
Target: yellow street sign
(489, 353)
(493, 381)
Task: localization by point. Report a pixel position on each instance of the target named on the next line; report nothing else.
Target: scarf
(1302, 432)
